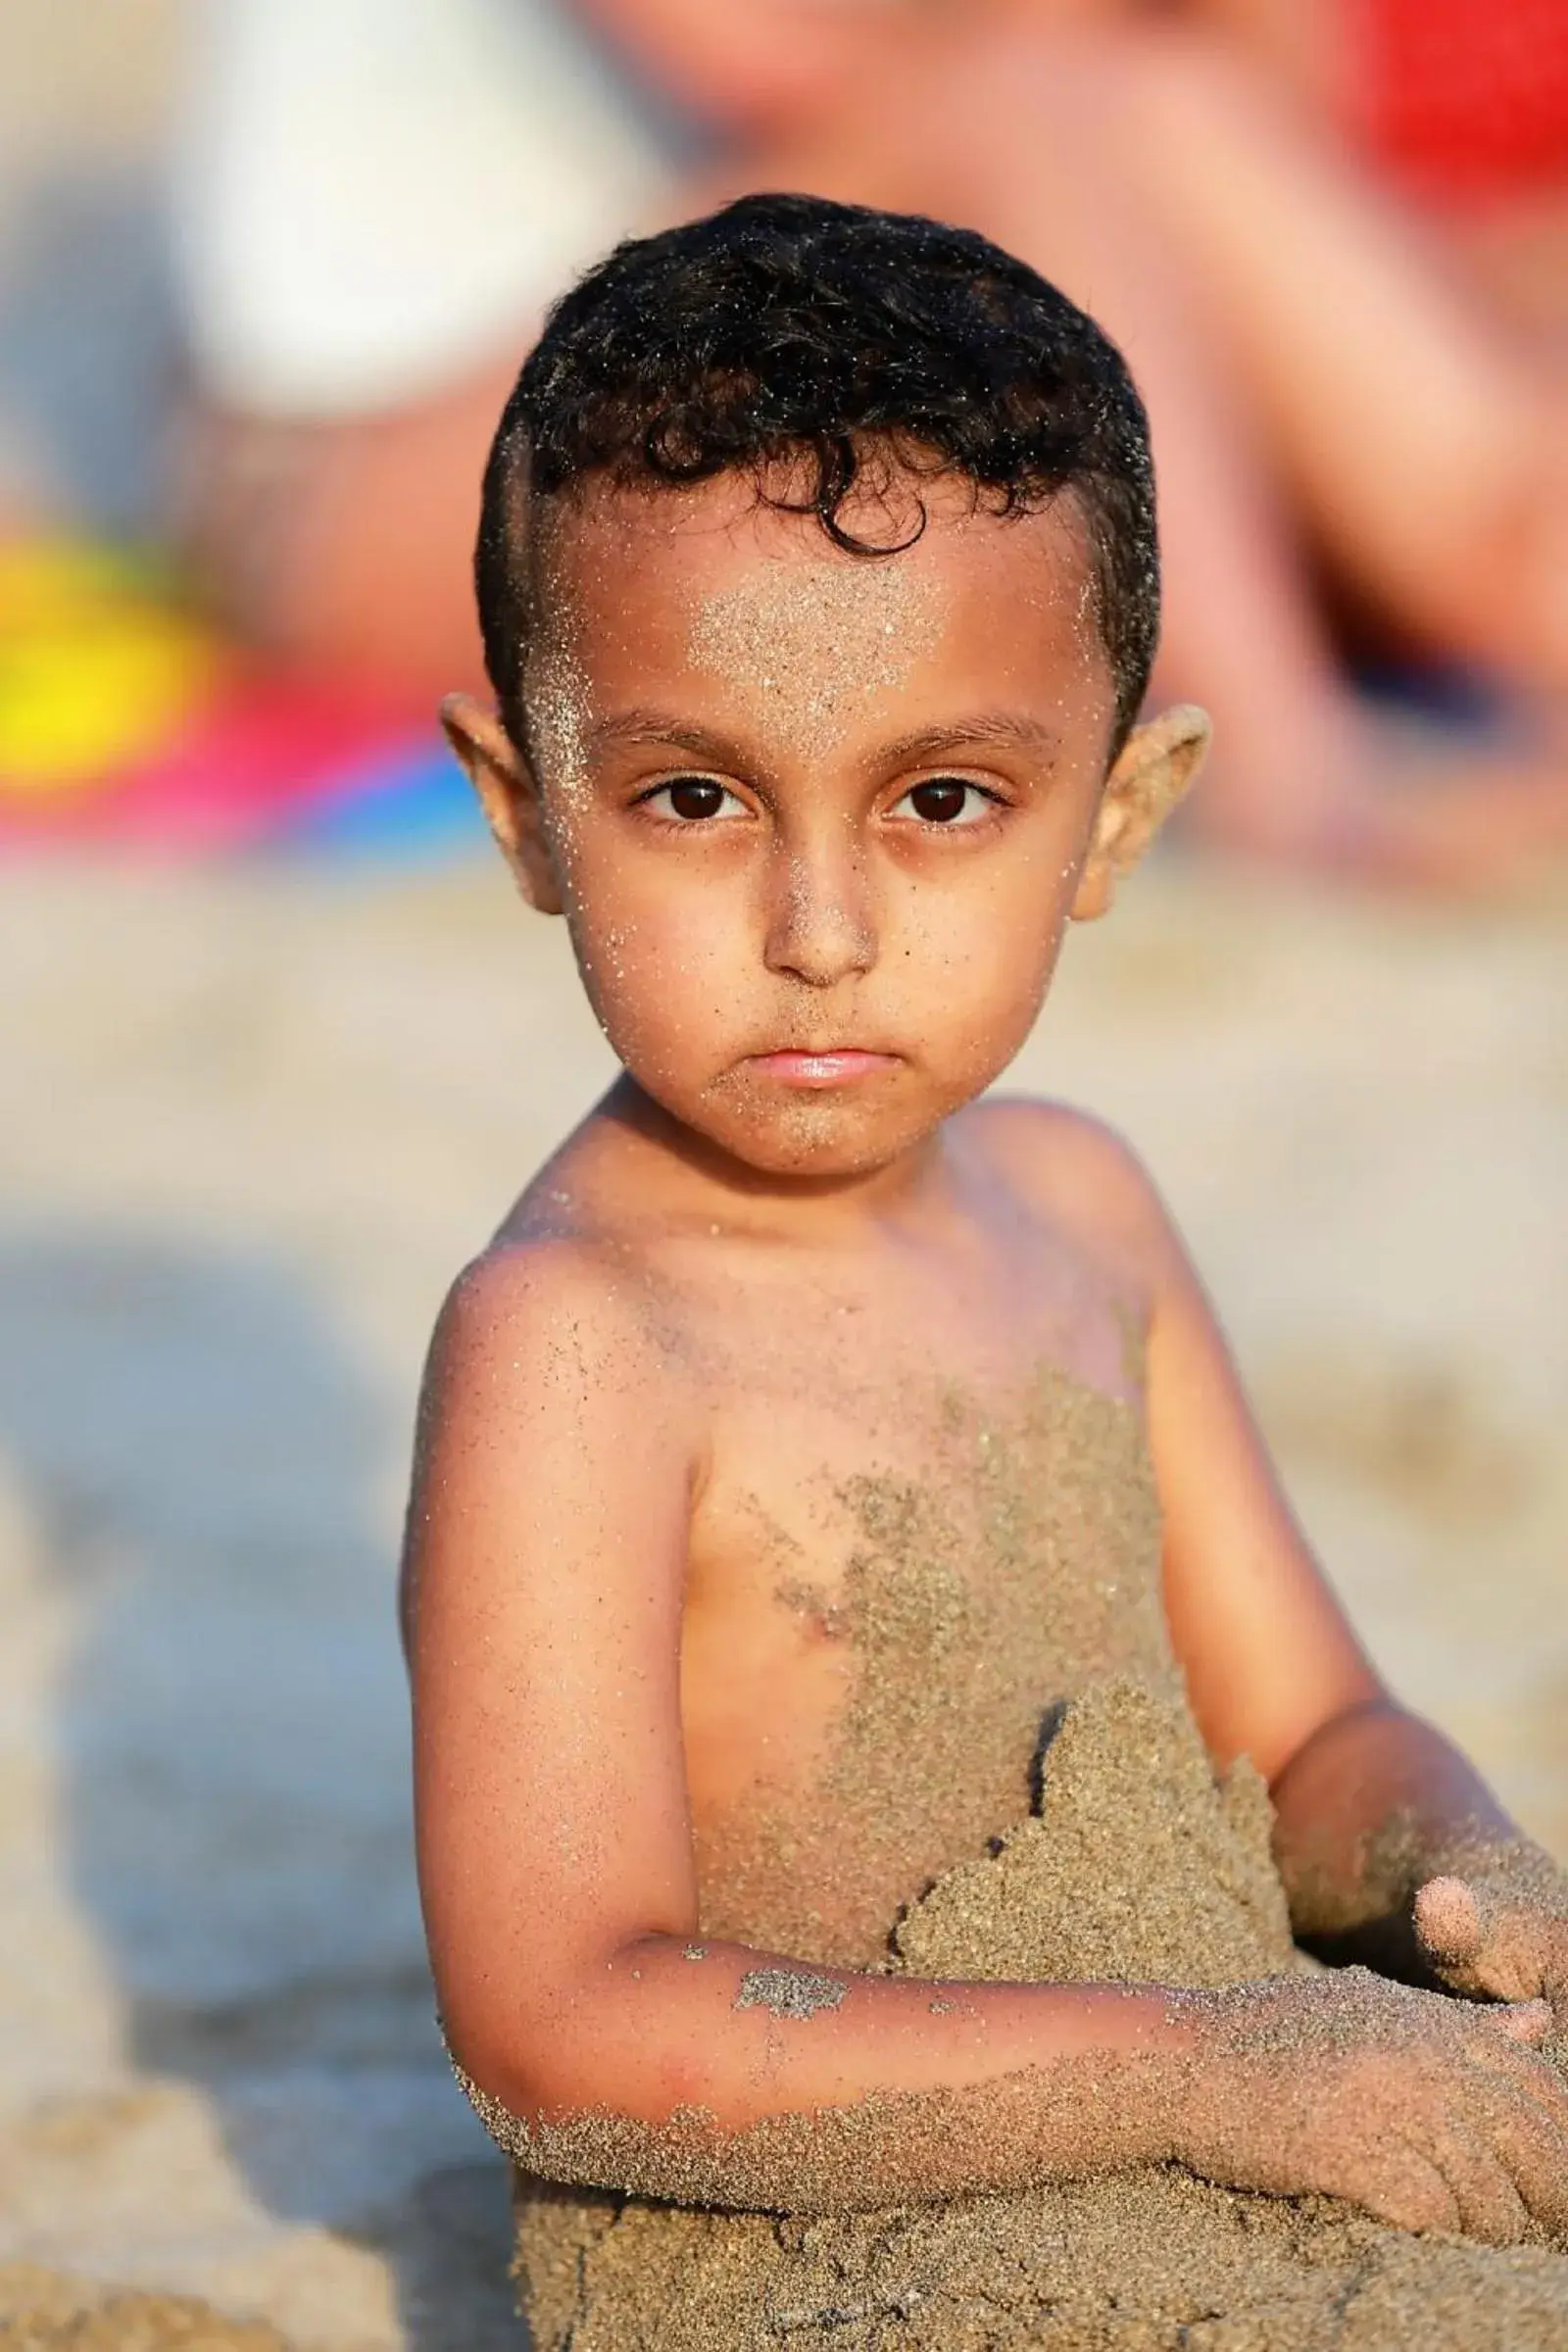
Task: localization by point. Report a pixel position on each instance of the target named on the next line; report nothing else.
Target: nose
(821, 922)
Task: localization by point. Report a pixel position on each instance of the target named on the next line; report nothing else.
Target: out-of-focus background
(279, 1048)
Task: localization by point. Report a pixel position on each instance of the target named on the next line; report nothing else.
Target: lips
(819, 1068)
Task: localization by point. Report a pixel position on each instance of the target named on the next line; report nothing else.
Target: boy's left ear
(1152, 772)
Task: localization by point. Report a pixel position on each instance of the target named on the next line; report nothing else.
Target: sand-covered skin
(880, 621)
(1138, 1866)
(1025, 1559)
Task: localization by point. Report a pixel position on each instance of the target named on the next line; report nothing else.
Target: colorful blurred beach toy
(125, 719)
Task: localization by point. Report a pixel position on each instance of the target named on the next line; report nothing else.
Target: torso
(927, 1516)
(864, 1695)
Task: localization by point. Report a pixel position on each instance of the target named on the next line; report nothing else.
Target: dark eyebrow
(1002, 729)
(659, 729)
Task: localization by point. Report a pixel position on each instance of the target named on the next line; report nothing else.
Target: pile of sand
(44, 2311)
(1138, 1866)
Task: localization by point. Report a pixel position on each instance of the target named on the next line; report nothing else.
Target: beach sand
(249, 1124)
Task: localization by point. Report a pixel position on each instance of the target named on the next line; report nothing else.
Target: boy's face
(817, 821)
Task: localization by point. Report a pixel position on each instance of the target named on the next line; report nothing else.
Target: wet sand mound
(1138, 1865)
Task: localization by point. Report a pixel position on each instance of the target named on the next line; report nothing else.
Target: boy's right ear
(508, 794)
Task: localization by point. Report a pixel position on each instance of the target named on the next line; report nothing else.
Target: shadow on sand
(198, 1451)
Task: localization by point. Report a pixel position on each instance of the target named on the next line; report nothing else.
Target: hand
(1429, 2113)
(1493, 1942)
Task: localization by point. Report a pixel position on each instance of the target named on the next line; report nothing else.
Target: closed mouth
(819, 1067)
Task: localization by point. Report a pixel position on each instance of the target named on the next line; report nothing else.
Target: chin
(820, 1139)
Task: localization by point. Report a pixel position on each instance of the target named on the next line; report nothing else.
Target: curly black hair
(788, 331)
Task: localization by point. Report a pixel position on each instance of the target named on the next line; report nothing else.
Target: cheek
(976, 956)
(664, 954)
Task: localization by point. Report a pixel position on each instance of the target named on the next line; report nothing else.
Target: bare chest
(914, 1540)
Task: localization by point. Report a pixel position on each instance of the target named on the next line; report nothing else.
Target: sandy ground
(249, 1124)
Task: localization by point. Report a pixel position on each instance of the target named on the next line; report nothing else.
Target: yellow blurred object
(96, 672)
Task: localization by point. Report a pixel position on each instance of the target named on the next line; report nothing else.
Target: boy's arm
(558, 1460)
(1372, 1804)
(556, 1464)
(1399, 1854)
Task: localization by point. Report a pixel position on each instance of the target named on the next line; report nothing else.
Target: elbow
(520, 2085)
(570, 2114)
(609, 2050)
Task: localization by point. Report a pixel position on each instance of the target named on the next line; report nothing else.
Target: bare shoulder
(552, 1426)
(1073, 1169)
(555, 1311)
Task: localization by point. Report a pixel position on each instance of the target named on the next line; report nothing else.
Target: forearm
(733, 2078)
(1375, 1805)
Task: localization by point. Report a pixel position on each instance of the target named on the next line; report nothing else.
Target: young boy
(815, 1437)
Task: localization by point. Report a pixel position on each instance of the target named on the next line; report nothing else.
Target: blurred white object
(373, 195)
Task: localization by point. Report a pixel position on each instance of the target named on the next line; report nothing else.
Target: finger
(1400, 2186)
(1477, 1949)
(1514, 1963)
(1530, 2136)
(1487, 2198)
(1451, 1933)
(1504, 2042)
(1527, 2021)
(1448, 1921)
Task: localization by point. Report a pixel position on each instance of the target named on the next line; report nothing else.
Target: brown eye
(694, 797)
(944, 801)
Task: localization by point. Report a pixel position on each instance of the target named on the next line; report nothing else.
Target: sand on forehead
(1138, 1865)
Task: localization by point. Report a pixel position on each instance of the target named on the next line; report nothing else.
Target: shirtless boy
(818, 581)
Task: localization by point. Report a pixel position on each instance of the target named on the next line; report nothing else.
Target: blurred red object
(1468, 98)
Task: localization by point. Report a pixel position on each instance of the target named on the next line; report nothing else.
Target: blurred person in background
(1330, 239)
